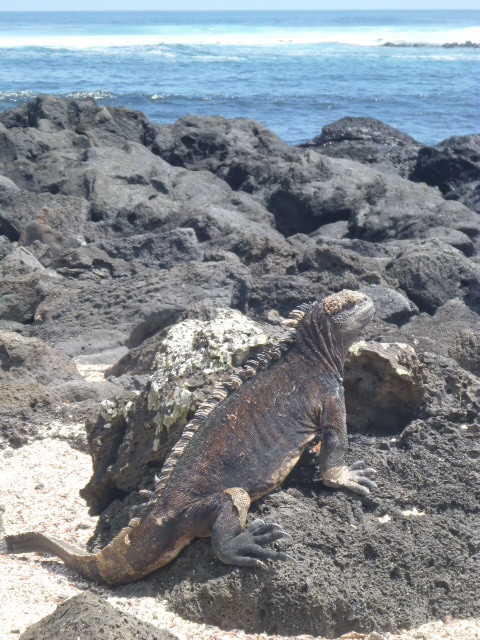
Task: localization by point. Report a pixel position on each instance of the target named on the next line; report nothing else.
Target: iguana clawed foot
(246, 548)
(355, 477)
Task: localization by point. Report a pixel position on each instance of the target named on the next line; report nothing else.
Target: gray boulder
(41, 387)
(220, 145)
(453, 330)
(369, 141)
(89, 617)
(390, 305)
(69, 218)
(162, 251)
(305, 190)
(24, 285)
(454, 167)
(83, 120)
(432, 272)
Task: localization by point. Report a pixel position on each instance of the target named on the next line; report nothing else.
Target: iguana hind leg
(232, 543)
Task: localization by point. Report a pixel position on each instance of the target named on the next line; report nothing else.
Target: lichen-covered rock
(88, 617)
(130, 443)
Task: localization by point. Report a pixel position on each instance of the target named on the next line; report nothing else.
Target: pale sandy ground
(39, 487)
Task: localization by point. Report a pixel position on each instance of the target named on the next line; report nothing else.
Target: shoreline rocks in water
(468, 44)
(114, 231)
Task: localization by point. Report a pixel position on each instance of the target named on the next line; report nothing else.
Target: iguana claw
(355, 477)
(247, 549)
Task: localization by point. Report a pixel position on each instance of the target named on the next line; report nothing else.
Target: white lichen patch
(92, 372)
(384, 519)
(198, 346)
(413, 512)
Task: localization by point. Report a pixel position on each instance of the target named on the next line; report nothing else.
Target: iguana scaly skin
(242, 444)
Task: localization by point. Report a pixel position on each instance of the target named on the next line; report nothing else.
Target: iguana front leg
(232, 543)
(334, 446)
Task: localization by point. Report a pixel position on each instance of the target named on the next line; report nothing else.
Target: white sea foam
(367, 37)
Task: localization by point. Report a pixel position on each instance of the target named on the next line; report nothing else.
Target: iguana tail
(139, 548)
(83, 562)
(108, 565)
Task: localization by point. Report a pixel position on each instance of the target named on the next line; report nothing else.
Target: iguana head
(326, 330)
(349, 312)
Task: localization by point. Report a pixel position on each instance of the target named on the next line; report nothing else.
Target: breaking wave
(253, 37)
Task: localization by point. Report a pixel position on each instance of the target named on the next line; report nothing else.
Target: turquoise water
(292, 71)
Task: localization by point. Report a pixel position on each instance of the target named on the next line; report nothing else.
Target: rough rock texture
(370, 142)
(219, 145)
(97, 214)
(305, 190)
(432, 272)
(383, 390)
(131, 302)
(390, 305)
(453, 330)
(454, 167)
(89, 617)
(40, 384)
(120, 240)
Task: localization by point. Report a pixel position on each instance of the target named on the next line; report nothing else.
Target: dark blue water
(293, 71)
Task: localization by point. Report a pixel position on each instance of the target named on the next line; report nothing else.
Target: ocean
(294, 71)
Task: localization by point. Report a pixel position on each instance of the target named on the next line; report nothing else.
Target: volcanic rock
(305, 190)
(432, 272)
(89, 617)
(454, 167)
(120, 240)
(370, 142)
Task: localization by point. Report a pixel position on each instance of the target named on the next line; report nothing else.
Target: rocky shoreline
(161, 256)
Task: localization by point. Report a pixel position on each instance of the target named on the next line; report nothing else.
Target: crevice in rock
(8, 230)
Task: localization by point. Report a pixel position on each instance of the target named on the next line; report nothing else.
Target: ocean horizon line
(476, 11)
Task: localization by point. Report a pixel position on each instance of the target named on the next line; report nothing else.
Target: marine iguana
(242, 443)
